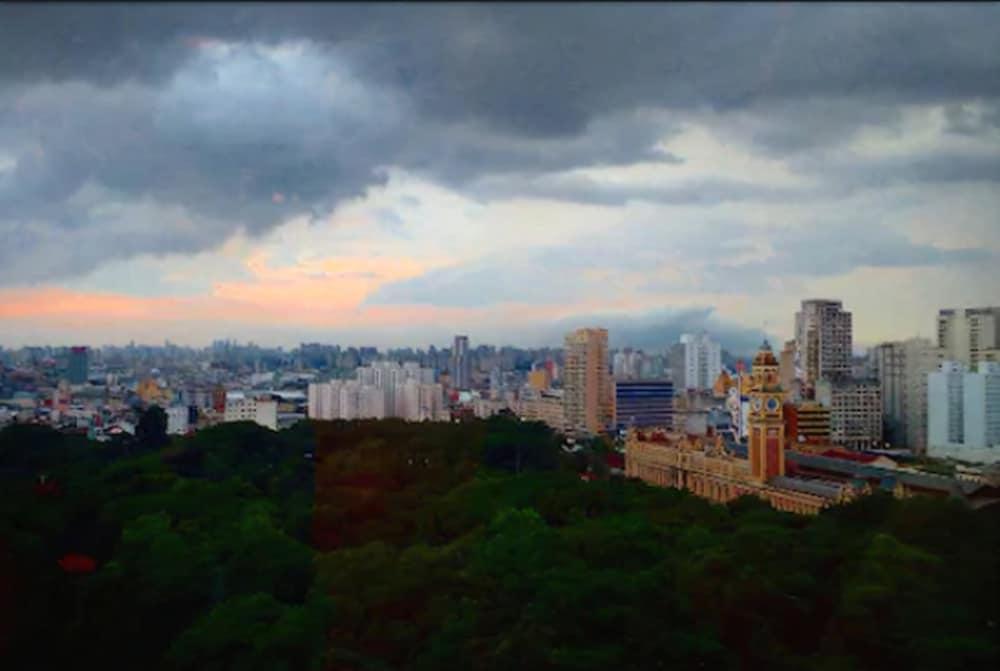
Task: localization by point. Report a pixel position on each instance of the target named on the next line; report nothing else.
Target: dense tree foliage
(390, 545)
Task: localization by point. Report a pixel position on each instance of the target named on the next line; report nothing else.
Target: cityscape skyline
(272, 171)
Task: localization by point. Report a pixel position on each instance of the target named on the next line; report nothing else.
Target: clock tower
(766, 421)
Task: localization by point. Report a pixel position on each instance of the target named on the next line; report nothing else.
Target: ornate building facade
(796, 481)
(708, 468)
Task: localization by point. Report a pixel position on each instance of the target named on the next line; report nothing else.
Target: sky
(393, 175)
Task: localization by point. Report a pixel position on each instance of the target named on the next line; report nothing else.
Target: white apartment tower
(970, 335)
(823, 341)
(702, 361)
(964, 412)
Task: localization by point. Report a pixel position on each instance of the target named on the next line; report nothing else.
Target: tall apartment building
(855, 411)
(823, 341)
(786, 365)
(970, 335)
(902, 369)
(586, 381)
(963, 418)
(627, 364)
(461, 371)
(702, 361)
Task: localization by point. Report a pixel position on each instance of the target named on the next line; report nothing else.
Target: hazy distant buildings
(586, 381)
(627, 364)
(461, 370)
(969, 336)
(79, 365)
(702, 361)
(383, 389)
(964, 412)
(823, 341)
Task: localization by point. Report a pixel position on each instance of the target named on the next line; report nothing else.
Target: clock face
(756, 404)
(772, 404)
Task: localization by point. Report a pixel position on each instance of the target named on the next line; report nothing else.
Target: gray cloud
(134, 103)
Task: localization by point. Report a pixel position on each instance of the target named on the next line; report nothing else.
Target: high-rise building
(627, 364)
(970, 335)
(702, 361)
(79, 365)
(902, 369)
(888, 361)
(823, 341)
(643, 403)
(586, 381)
(855, 411)
(963, 417)
(461, 371)
(786, 365)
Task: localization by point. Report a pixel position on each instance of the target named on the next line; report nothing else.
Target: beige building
(544, 406)
(855, 412)
(969, 335)
(586, 381)
(786, 365)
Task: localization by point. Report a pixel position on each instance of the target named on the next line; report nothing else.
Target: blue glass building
(644, 403)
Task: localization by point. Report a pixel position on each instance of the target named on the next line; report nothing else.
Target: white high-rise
(702, 361)
(970, 335)
(964, 412)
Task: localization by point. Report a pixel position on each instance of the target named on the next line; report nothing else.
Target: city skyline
(391, 177)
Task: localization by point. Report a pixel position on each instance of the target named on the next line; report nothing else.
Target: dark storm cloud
(656, 330)
(134, 103)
